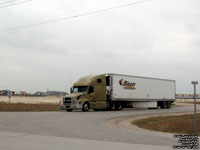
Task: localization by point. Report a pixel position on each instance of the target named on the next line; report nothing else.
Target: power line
(7, 2)
(16, 3)
(75, 16)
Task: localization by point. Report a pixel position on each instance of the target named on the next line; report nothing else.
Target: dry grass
(174, 124)
(28, 107)
(193, 102)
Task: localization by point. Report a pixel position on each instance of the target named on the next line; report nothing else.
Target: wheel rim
(86, 107)
(113, 106)
(169, 105)
(165, 104)
(120, 106)
(108, 105)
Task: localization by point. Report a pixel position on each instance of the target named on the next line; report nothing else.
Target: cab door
(100, 94)
(91, 96)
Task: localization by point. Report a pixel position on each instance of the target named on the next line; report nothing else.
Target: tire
(113, 106)
(69, 110)
(164, 105)
(96, 109)
(86, 106)
(118, 106)
(153, 108)
(109, 106)
(169, 105)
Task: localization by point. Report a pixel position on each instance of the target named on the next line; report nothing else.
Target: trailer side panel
(134, 88)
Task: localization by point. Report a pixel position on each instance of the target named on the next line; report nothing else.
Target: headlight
(73, 101)
(61, 102)
(78, 97)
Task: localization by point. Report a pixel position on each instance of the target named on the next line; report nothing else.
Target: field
(32, 99)
(187, 101)
(28, 107)
(183, 124)
(30, 103)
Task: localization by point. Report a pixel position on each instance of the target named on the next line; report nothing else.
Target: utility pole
(70, 82)
(9, 93)
(195, 109)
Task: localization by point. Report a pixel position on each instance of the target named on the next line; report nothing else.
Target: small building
(187, 96)
(22, 93)
(5, 92)
(56, 93)
(38, 93)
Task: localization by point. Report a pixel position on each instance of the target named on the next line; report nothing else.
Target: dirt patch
(126, 122)
(174, 124)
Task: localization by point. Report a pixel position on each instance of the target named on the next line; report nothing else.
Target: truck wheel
(113, 106)
(118, 106)
(69, 110)
(153, 108)
(96, 109)
(109, 106)
(86, 106)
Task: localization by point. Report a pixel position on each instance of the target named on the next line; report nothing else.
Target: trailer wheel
(118, 106)
(164, 105)
(86, 106)
(169, 104)
(69, 110)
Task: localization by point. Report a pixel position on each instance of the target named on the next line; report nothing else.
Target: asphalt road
(79, 130)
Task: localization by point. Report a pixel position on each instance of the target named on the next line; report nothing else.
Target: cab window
(78, 89)
(99, 81)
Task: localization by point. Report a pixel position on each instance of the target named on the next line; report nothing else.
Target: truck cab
(89, 92)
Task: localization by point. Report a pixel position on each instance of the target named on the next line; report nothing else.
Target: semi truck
(116, 91)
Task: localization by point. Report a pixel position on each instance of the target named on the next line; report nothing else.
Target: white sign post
(195, 111)
(9, 97)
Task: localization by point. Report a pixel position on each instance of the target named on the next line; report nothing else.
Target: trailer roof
(140, 77)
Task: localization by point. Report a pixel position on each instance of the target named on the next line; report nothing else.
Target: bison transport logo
(127, 84)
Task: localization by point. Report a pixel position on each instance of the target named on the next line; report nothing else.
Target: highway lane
(17, 141)
(85, 126)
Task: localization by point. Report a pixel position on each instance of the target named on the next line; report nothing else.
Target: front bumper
(76, 106)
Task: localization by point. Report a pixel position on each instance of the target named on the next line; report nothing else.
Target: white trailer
(136, 91)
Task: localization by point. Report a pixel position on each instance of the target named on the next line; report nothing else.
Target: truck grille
(67, 101)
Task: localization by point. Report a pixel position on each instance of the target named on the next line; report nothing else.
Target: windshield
(77, 89)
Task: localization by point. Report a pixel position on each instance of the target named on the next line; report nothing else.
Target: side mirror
(71, 89)
(91, 90)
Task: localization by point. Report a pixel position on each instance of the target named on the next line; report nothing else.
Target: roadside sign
(9, 94)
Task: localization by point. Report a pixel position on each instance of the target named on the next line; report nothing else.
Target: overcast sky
(159, 38)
